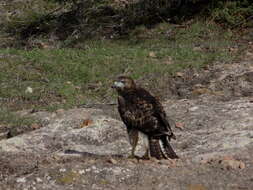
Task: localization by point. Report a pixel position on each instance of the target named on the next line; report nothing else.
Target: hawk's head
(124, 84)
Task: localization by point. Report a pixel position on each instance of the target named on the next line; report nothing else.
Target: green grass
(13, 124)
(9, 118)
(65, 77)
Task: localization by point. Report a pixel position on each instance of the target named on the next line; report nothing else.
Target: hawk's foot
(132, 156)
(146, 156)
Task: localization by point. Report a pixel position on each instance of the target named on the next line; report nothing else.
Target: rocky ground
(87, 148)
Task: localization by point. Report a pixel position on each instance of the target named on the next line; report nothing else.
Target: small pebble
(38, 180)
(81, 172)
(62, 170)
(21, 180)
(112, 161)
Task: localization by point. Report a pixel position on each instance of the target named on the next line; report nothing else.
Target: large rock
(213, 128)
(80, 130)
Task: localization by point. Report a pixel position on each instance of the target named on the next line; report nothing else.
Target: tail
(160, 148)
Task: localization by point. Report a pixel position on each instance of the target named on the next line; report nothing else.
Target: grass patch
(66, 77)
(12, 124)
(7, 117)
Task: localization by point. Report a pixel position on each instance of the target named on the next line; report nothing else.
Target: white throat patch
(118, 84)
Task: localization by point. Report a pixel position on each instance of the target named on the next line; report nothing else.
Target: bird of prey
(142, 112)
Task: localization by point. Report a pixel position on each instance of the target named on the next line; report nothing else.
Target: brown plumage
(140, 111)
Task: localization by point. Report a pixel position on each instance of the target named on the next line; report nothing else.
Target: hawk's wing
(144, 112)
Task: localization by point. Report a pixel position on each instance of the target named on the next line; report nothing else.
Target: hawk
(142, 112)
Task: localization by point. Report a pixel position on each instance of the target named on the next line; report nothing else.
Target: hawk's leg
(133, 139)
(147, 146)
(146, 156)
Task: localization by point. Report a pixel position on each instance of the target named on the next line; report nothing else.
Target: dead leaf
(233, 49)
(86, 123)
(44, 45)
(112, 161)
(168, 61)
(249, 55)
(169, 162)
(200, 91)
(196, 187)
(35, 126)
(179, 125)
(179, 74)
(152, 54)
(225, 163)
(227, 158)
(60, 111)
(197, 48)
(232, 164)
(94, 85)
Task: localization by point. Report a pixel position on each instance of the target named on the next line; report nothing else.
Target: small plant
(232, 13)
(8, 117)
(13, 124)
(73, 21)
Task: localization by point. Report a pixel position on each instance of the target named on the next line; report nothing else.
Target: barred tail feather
(161, 149)
(168, 150)
(155, 148)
